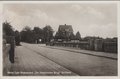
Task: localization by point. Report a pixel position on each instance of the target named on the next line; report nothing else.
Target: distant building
(64, 32)
(66, 28)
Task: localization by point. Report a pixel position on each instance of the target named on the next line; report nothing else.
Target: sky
(98, 19)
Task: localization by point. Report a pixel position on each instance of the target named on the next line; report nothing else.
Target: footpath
(29, 63)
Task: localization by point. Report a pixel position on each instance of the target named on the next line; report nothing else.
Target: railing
(83, 45)
(97, 45)
(110, 47)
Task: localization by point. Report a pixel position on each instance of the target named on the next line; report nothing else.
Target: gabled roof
(65, 27)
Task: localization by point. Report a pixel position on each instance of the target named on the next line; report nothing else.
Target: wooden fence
(97, 45)
(110, 47)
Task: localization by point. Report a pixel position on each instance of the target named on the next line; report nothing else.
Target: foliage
(7, 29)
(31, 36)
(38, 32)
(47, 33)
(27, 35)
(78, 36)
(72, 36)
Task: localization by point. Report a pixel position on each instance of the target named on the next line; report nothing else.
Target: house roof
(65, 28)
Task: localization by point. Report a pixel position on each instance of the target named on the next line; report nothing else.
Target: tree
(32, 36)
(47, 33)
(27, 35)
(78, 36)
(72, 36)
(37, 30)
(27, 28)
(7, 29)
(38, 33)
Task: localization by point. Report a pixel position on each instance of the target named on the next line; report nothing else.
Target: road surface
(29, 63)
(61, 60)
(81, 64)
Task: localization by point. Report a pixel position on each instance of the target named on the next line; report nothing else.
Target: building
(66, 28)
(64, 32)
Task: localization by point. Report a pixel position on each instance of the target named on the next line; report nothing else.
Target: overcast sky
(88, 19)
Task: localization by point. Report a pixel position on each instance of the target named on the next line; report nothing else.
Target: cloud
(108, 30)
(76, 8)
(95, 13)
(90, 12)
(28, 17)
(88, 19)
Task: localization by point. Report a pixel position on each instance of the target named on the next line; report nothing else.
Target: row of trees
(7, 29)
(27, 34)
(45, 35)
(37, 34)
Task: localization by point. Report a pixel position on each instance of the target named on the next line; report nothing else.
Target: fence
(83, 45)
(97, 45)
(110, 47)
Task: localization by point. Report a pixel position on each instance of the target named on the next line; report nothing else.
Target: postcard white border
(58, 77)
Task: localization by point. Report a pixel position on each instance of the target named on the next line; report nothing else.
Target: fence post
(91, 44)
(98, 45)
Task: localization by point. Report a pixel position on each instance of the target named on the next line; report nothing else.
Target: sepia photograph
(60, 39)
